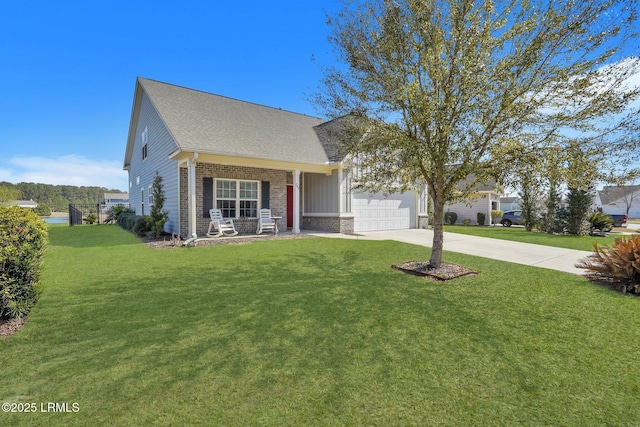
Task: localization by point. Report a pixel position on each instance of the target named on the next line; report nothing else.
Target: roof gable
(212, 124)
(614, 193)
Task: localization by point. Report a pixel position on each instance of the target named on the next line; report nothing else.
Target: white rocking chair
(224, 227)
(266, 222)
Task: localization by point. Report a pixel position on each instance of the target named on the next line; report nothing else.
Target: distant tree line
(56, 197)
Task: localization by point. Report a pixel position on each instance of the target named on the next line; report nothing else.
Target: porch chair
(266, 222)
(225, 227)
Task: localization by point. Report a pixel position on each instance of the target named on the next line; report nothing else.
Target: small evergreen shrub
(481, 217)
(466, 221)
(618, 265)
(23, 241)
(450, 218)
(142, 225)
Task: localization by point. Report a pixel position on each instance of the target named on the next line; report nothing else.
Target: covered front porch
(241, 188)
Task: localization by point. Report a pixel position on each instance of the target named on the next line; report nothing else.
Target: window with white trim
(237, 198)
(144, 144)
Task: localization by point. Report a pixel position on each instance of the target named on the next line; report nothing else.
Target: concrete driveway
(504, 250)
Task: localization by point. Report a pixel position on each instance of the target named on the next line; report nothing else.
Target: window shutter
(207, 196)
(265, 194)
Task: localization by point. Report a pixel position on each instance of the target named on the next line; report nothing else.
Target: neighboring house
(617, 200)
(485, 199)
(214, 151)
(113, 199)
(29, 204)
(510, 203)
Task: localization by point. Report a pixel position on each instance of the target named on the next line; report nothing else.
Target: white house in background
(617, 200)
(29, 204)
(485, 199)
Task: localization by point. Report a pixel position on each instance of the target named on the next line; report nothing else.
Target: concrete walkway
(559, 259)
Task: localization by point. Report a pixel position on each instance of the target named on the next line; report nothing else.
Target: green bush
(142, 225)
(618, 265)
(23, 240)
(496, 214)
(116, 211)
(600, 221)
(450, 218)
(91, 218)
(466, 221)
(127, 220)
(42, 210)
(481, 217)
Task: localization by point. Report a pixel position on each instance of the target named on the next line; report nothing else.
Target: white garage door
(377, 212)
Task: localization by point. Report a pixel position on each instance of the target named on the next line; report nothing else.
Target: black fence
(89, 213)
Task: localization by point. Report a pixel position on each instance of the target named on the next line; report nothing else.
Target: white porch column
(296, 202)
(191, 192)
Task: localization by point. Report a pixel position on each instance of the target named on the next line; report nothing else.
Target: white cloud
(66, 170)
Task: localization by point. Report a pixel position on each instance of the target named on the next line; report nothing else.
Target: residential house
(113, 199)
(29, 204)
(214, 151)
(485, 198)
(510, 203)
(618, 200)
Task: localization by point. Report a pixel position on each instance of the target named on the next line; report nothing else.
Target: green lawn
(519, 234)
(314, 332)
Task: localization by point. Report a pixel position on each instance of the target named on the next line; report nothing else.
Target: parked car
(619, 220)
(510, 218)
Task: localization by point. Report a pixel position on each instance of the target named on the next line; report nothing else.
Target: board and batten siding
(321, 193)
(142, 172)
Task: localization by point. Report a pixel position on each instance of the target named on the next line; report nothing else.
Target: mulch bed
(442, 273)
(10, 327)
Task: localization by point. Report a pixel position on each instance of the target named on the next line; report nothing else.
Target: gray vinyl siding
(159, 145)
(321, 193)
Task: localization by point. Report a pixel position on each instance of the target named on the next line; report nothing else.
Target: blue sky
(68, 70)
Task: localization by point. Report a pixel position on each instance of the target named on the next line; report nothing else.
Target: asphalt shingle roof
(615, 193)
(208, 123)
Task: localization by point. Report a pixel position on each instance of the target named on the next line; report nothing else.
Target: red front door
(289, 206)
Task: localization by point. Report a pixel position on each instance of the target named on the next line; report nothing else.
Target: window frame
(236, 202)
(145, 148)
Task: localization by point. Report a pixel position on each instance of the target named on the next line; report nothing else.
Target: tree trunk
(438, 232)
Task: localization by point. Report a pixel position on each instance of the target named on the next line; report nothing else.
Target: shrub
(126, 220)
(496, 214)
(481, 217)
(42, 210)
(91, 218)
(23, 240)
(618, 265)
(158, 215)
(142, 225)
(450, 218)
(600, 221)
(116, 211)
(466, 221)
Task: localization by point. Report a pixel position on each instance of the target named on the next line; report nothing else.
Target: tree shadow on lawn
(324, 328)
